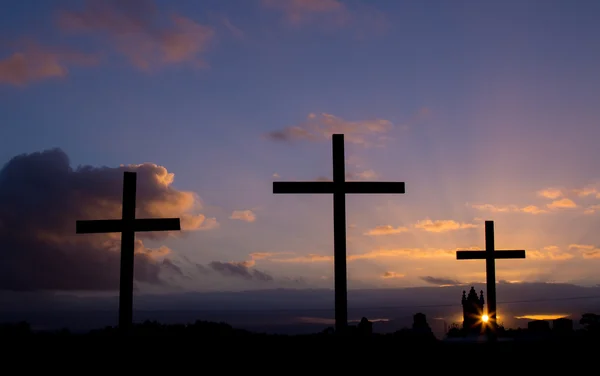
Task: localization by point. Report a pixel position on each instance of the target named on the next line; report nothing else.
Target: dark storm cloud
(239, 269)
(41, 197)
(440, 281)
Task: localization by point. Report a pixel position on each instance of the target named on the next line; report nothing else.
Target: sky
(487, 110)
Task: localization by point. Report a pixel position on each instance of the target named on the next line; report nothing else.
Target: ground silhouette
(419, 332)
(358, 348)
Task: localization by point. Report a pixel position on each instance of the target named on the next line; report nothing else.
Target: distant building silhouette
(562, 325)
(472, 311)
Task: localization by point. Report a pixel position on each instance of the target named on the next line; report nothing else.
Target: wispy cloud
(135, 29)
(233, 29)
(551, 252)
(443, 225)
(592, 209)
(320, 127)
(305, 259)
(360, 18)
(386, 230)
(34, 62)
(353, 176)
(266, 255)
(561, 199)
(407, 253)
(529, 209)
(588, 190)
(587, 251)
(424, 225)
(297, 12)
(400, 253)
(391, 275)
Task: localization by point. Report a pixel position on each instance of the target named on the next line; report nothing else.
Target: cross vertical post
(339, 232)
(127, 256)
(128, 225)
(490, 272)
(339, 187)
(490, 255)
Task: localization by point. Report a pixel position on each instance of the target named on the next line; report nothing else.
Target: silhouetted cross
(490, 255)
(128, 225)
(339, 188)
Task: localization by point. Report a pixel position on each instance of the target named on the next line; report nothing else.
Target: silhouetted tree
(590, 322)
(420, 323)
(455, 331)
(365, 327)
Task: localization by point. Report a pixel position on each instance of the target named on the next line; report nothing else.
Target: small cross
(490, 255)
(128, 225)
(339, 188)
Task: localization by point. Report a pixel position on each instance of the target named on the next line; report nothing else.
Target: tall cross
(128, 225)
(339, 187)
(490, 255)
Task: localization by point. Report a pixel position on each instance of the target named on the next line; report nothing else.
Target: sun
(485, 318)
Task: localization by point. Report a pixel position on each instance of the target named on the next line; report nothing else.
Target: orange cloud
(267, 255)
(551, 193)
(563, 203)
(426, 225)
(305, 259)
(530, 209)
(34, 62)
(134, 28)
(153, 253)
(406, 253)
(409, 253)
(542, 317)
(386, 230)
(566, 202)
(182, 204)
(443, 225)
(243, 215)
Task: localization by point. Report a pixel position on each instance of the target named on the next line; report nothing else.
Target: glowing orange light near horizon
(485, 318)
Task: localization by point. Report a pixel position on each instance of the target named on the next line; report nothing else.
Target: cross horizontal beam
(482, 255)
(353, 187)
(117, 225)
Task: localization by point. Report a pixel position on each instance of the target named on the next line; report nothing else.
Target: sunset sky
(487, 110)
